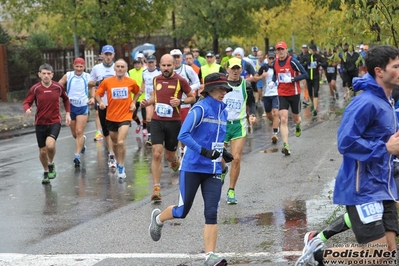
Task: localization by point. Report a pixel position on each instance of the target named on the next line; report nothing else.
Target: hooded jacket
(366, 173)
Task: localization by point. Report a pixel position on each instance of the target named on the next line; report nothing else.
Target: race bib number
(312, 65)
(164, 110)
(370, 212)
(330, 69)
(219, 147)
(77, 102)
(233, 104)
(120, 93)
(284, 77)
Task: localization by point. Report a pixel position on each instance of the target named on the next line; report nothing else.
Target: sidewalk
(12, 117)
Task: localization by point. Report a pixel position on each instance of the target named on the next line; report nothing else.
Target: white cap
(175, 52)
(229, 49)
(140, 55)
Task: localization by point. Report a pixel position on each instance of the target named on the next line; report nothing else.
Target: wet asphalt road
(89, 211)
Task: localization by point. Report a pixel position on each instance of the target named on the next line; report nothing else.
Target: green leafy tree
(95, 21)
(215, 20)
(4, 37)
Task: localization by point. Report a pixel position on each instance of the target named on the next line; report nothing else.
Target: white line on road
(18, 259)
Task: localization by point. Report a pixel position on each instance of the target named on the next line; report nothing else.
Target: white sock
(158, 221)
(207, 255)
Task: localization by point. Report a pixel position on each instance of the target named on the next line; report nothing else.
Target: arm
(250, 99)
(252, 72)
(195, 82)
(298, 67)
(192, 120)
(100, 93)
(63, 80)
(27, 104)
(67, 106)
(262, 73)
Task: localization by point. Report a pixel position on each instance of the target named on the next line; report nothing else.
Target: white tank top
(77, 88)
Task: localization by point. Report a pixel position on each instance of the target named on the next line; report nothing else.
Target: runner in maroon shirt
(46, 95)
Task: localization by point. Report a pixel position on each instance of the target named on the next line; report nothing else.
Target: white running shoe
(112, 162)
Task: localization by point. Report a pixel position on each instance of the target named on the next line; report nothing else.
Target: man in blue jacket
(368, 139)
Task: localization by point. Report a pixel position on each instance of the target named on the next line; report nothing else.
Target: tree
(4, 37)
(214, 20)
(100, 21)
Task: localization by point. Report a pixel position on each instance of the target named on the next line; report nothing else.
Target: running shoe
(298, 130)
(145, 132)
(76, 160)
(121, 172)
(98, 136)
(84, 145)
(224, 173)
(156, 196)
(175, 165)
(314, 112)
(286, 149)
(231, 197)
(45, 178)
(112, 162)
(138, 128)
(274, 138)
(215, 260)
(306, 239)
(307, 257)
(336, 95)
(51, 171)
(148, 143)
(155, 229)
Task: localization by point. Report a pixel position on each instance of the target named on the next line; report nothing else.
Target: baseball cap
(229, 49)
(100, 58)
(281, 45)
(175, 52)
(313, 47)
(271, 55)
(151, 58)
(108, 49)
(210, 53)
(139, 55)
(290, 50)
(254, 49)
(234, 62)
(304, 46)
(215, 80)
(271, 48)
(79, 60)
(217, 55)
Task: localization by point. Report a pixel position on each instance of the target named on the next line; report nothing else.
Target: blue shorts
(270, 102)
(75, 111)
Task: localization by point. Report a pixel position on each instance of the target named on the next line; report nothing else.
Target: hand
(133, 106)
(91, 101)
(252, 119)
(28, 111)
(102, 106)
(393, 144)
(144, 103)
(271, 85)
(174, 102)
(227, 156)
(67, 119)
(214, 154)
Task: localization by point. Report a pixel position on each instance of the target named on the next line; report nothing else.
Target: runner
(120, 109)
(365, 183)
(166, 121)
(46, 95)
(288, 73)
(237, 101)
(79, 97)
(147, 88)
(201, 165)
(97, 75)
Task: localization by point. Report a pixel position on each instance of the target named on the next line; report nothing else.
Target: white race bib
(330, 69)
(370, 212)
(120, 93)
(233, 104)
(164, 110)
(284, 77)
(219, 147)
(78, 102)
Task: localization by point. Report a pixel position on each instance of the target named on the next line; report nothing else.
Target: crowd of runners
(197, 111)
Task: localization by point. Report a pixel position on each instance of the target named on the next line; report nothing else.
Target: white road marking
(18, 259)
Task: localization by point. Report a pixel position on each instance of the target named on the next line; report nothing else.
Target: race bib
(77, 102)
(233, 104)
(370, 212)
(120, 93)
(312, 65)
(219, 147)
(330, 69)
(164, 110)
(284, 77)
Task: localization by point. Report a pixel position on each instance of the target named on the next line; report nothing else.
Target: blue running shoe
(76, 160)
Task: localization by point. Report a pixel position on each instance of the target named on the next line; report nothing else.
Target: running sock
(148, 127)
(231, 188)
(341, 224)
(275, 130)
(144, 125)
(137, 120)
(158, 221)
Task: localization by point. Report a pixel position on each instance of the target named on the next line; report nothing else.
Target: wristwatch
(292, 79)
(181, 101)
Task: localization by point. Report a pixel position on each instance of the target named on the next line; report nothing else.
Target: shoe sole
(156, 198)
(46, 182)
(231, 203)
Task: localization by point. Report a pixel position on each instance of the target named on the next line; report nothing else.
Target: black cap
(254, 49)
(271, 54)
(215, 80)
(271, 48)
(313, 47)
(210, 53)
(151, 58)
(217, 55)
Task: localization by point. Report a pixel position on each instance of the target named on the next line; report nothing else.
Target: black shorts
(114, 126)
(294, 101)
(165, 133)
(366, 233)
(331, 76)
(44, 131)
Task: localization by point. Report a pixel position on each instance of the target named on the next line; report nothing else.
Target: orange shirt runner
(118, 96)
